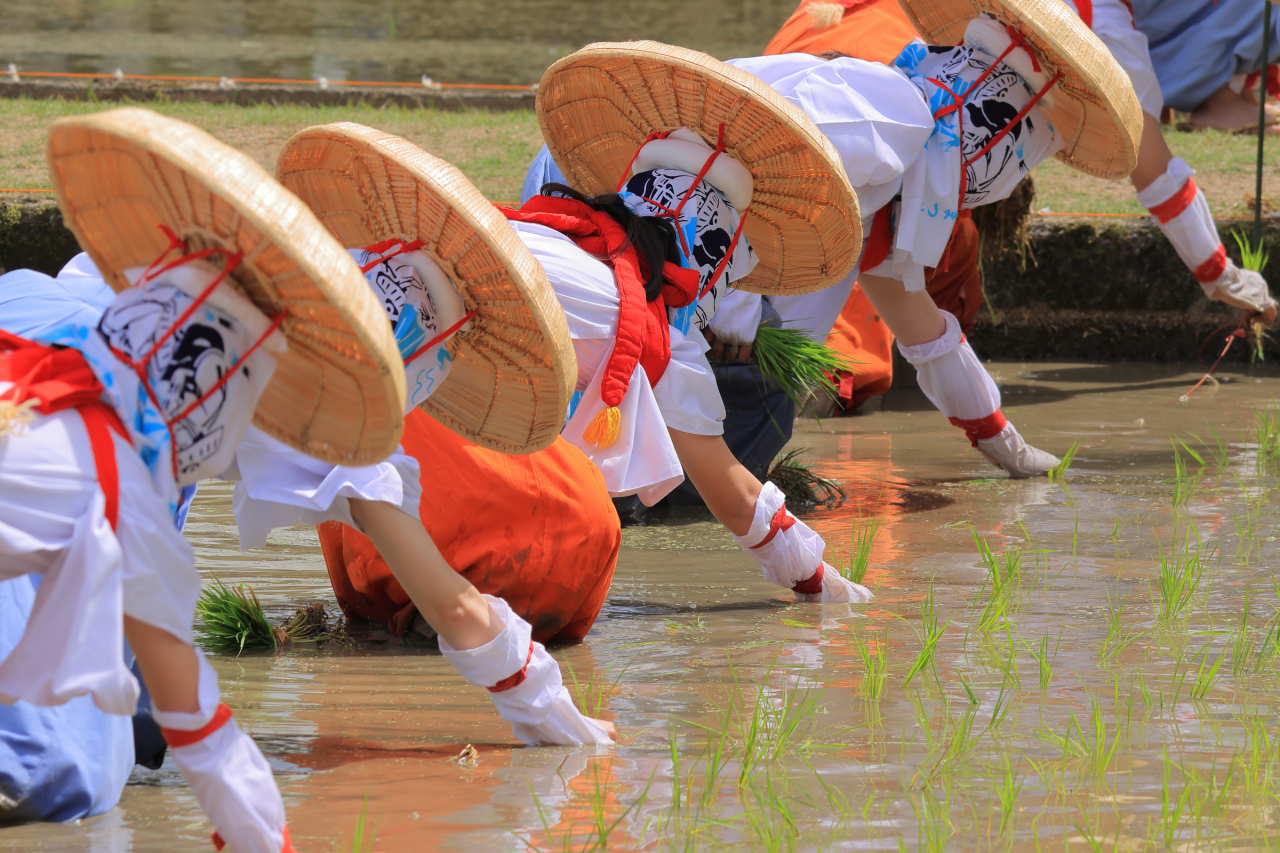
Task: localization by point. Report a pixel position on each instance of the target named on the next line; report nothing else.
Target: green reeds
(800, 484)
(797, 362)
(1057, 472)
(233, 620)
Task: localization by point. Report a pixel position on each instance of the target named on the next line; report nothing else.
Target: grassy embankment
(494, 149)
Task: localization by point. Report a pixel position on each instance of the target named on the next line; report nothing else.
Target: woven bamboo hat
(1095, 109)
(338, 392)
(597, 106)
(514, 369)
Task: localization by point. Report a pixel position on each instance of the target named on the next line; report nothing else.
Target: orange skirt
(538, 531)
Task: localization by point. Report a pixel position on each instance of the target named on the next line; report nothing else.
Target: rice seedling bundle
(233, 620)
(796, 362)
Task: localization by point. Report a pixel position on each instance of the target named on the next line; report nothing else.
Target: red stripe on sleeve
(1212, 268)
(1176, 203)
(181, 737)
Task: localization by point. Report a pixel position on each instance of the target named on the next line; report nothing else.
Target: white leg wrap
(226, 772)
(1181, 211)
(790, 553)
(1010, 452)
(952, 377)
(525, 685)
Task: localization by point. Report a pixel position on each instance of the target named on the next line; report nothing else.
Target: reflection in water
(744, 717)
(479, 41)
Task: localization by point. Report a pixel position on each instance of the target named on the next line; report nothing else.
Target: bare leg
(1225, 110)
(910, 315)
(447, 600)
(168, 665)
(728, 488)
(1153, 155)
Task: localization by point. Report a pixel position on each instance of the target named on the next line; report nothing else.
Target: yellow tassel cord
(15, 416)
(603, 429)
(824, 16)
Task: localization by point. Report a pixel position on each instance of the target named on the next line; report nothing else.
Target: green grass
(1251, 257)
(492, 149)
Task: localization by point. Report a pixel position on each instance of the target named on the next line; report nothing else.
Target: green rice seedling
(933, 821)
(1070, 742)
(363, 835)
(769, 813)
(1269, 646)
(1206, 677)
(874, 668)
(1008, 787)
(1179, 577)
(1171, 807)
(930, 633)
(1251, 257)
(1057, 472)
(232, 619)
(1000, 585)
(1116, 640)
(1267, 436)
(1241, 640)
(593, 693)
(796, 362)
(1101, 744)
(1184, 482)
(863, 537)
(1044, 659)
(800, 484)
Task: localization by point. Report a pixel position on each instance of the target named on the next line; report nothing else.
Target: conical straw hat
(514, 369)
(597, 106)
(338, 392)
(1095, 109)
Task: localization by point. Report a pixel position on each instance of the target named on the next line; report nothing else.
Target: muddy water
(478, 41)
(692, 636)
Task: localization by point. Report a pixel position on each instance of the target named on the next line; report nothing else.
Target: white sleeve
(737, 317)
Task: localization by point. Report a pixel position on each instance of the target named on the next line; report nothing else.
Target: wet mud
(1092, 700)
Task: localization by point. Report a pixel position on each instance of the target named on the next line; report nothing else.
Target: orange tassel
(603, 429)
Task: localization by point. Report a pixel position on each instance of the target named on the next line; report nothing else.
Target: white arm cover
(737, 317)
(226, 772)
(529, 693)
(790, 553)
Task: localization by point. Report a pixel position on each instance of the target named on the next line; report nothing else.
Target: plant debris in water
(801, 484)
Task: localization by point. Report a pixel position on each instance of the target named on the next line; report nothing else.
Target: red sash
(59, 378)
(643, 334)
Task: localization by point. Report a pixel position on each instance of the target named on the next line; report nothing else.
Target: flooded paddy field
(1082, 664)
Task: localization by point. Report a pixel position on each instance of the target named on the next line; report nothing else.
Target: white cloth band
(1190, 230)
(951, 375)
(737, 317)
(539, 707)
(227, 773)
(792, 555)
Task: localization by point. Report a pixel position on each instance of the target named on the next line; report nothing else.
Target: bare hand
(726, 351)
(609, 728)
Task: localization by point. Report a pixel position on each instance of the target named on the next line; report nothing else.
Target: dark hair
(828, 55)
(653, 237)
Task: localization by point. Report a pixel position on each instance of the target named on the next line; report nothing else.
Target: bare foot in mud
(1226, 110)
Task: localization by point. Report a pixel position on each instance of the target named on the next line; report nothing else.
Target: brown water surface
(699, 646)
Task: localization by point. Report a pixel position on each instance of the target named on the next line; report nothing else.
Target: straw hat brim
(338, 392)
(1095, 112)
(597, 106)
(514, 369)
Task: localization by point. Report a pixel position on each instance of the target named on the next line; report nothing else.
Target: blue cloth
(1197, 45)
(543, 170)
(69, 761)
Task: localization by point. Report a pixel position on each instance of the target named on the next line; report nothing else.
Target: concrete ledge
(501, 100)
